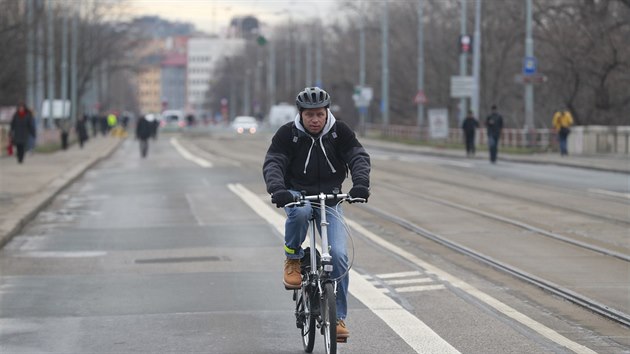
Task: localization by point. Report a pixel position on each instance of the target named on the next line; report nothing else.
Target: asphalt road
(182, 252)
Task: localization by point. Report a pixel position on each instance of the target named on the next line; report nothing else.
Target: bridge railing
(583, 140)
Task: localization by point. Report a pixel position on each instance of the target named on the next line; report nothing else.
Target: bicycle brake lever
(356, 200)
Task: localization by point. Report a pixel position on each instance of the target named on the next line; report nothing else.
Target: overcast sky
(214, 15)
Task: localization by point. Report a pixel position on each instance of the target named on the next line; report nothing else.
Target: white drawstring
(324, 150)
(308, 157)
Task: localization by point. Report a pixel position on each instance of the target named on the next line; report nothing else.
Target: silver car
(245, 124)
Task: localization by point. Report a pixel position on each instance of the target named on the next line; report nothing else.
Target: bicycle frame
(317, 283)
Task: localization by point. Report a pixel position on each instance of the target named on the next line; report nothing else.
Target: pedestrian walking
(562, 122)
(22, 127)
(494, 125)
(143, 133)
(81, 129)
(469, 125)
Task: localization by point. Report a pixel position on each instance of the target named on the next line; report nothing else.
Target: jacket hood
(329, 123)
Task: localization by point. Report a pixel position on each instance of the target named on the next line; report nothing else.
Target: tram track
(469, 186)
(549, 286)
(555, 236)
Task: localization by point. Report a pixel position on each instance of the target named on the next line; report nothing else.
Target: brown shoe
(342, 330)
(292, 276)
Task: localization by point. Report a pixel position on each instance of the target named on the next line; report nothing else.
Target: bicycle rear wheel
(306, 319)
(329, 318)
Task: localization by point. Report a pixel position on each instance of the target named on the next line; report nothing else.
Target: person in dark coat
(494, 124)
(143, 133)
(22, 127)
(469, 126)
(81, 129)
(314, 154)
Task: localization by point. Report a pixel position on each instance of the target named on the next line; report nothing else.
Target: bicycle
(315, 300)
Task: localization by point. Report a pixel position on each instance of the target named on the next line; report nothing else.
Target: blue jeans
(493, 146)
(296, 229)
(562, 137)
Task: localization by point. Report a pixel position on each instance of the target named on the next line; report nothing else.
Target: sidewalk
(608, 163)
(27, 188)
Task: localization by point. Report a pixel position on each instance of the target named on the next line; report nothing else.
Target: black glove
(359, 192)
(282, 198)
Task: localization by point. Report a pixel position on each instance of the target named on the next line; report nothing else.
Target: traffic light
(261, 40)
(465, 43)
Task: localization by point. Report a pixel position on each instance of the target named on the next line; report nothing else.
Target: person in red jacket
(22, 127)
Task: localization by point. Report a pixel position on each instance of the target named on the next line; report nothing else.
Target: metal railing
(582, 140)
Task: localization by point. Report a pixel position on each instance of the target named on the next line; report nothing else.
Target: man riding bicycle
(312, 154)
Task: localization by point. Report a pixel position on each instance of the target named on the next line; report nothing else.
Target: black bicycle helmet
(312, 97)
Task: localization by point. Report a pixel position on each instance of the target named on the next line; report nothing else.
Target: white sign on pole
(462, 86)
(362, 96)
(60, 109)
(438, 123)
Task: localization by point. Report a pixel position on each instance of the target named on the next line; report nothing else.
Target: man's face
(314, 119)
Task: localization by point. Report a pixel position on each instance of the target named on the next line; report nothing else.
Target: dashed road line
(188, 156)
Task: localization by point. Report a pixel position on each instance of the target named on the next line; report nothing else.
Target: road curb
(27, 211)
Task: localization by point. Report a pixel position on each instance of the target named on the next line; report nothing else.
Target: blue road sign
(530, 65)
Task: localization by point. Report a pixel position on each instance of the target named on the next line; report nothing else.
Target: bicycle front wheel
(329, 318)
(307, 319)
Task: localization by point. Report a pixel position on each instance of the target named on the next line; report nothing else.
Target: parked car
(245, 124)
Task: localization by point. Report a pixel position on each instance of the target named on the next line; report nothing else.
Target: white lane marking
(489, 300)
(46, 254)
(188, 156)
(610, 193)
(413, 331)
(193, 209)
(408, 281)
(410, 289)
(399, 275)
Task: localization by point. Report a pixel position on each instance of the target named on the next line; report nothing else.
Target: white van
(281, 114)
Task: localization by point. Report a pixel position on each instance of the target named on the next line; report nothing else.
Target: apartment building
(204, 55)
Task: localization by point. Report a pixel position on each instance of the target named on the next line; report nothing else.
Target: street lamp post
(420, 62)
(384, 67)
(529, 87)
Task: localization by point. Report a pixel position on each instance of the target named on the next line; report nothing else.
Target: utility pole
(477, 58)
(51, 59)
(309, 64)
(318, 55)
(246, 93)
(529, 86)
(74, 107)
(39, 59)
(384, 67)
(271, 72)
(420, 62)
(30, 77)
(64, 63)
(362, 110)
(463, 59)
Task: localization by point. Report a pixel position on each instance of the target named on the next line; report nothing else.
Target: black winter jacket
(295, 160)
(22, 127)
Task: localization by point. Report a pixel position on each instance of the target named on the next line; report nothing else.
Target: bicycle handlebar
(322, 196)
